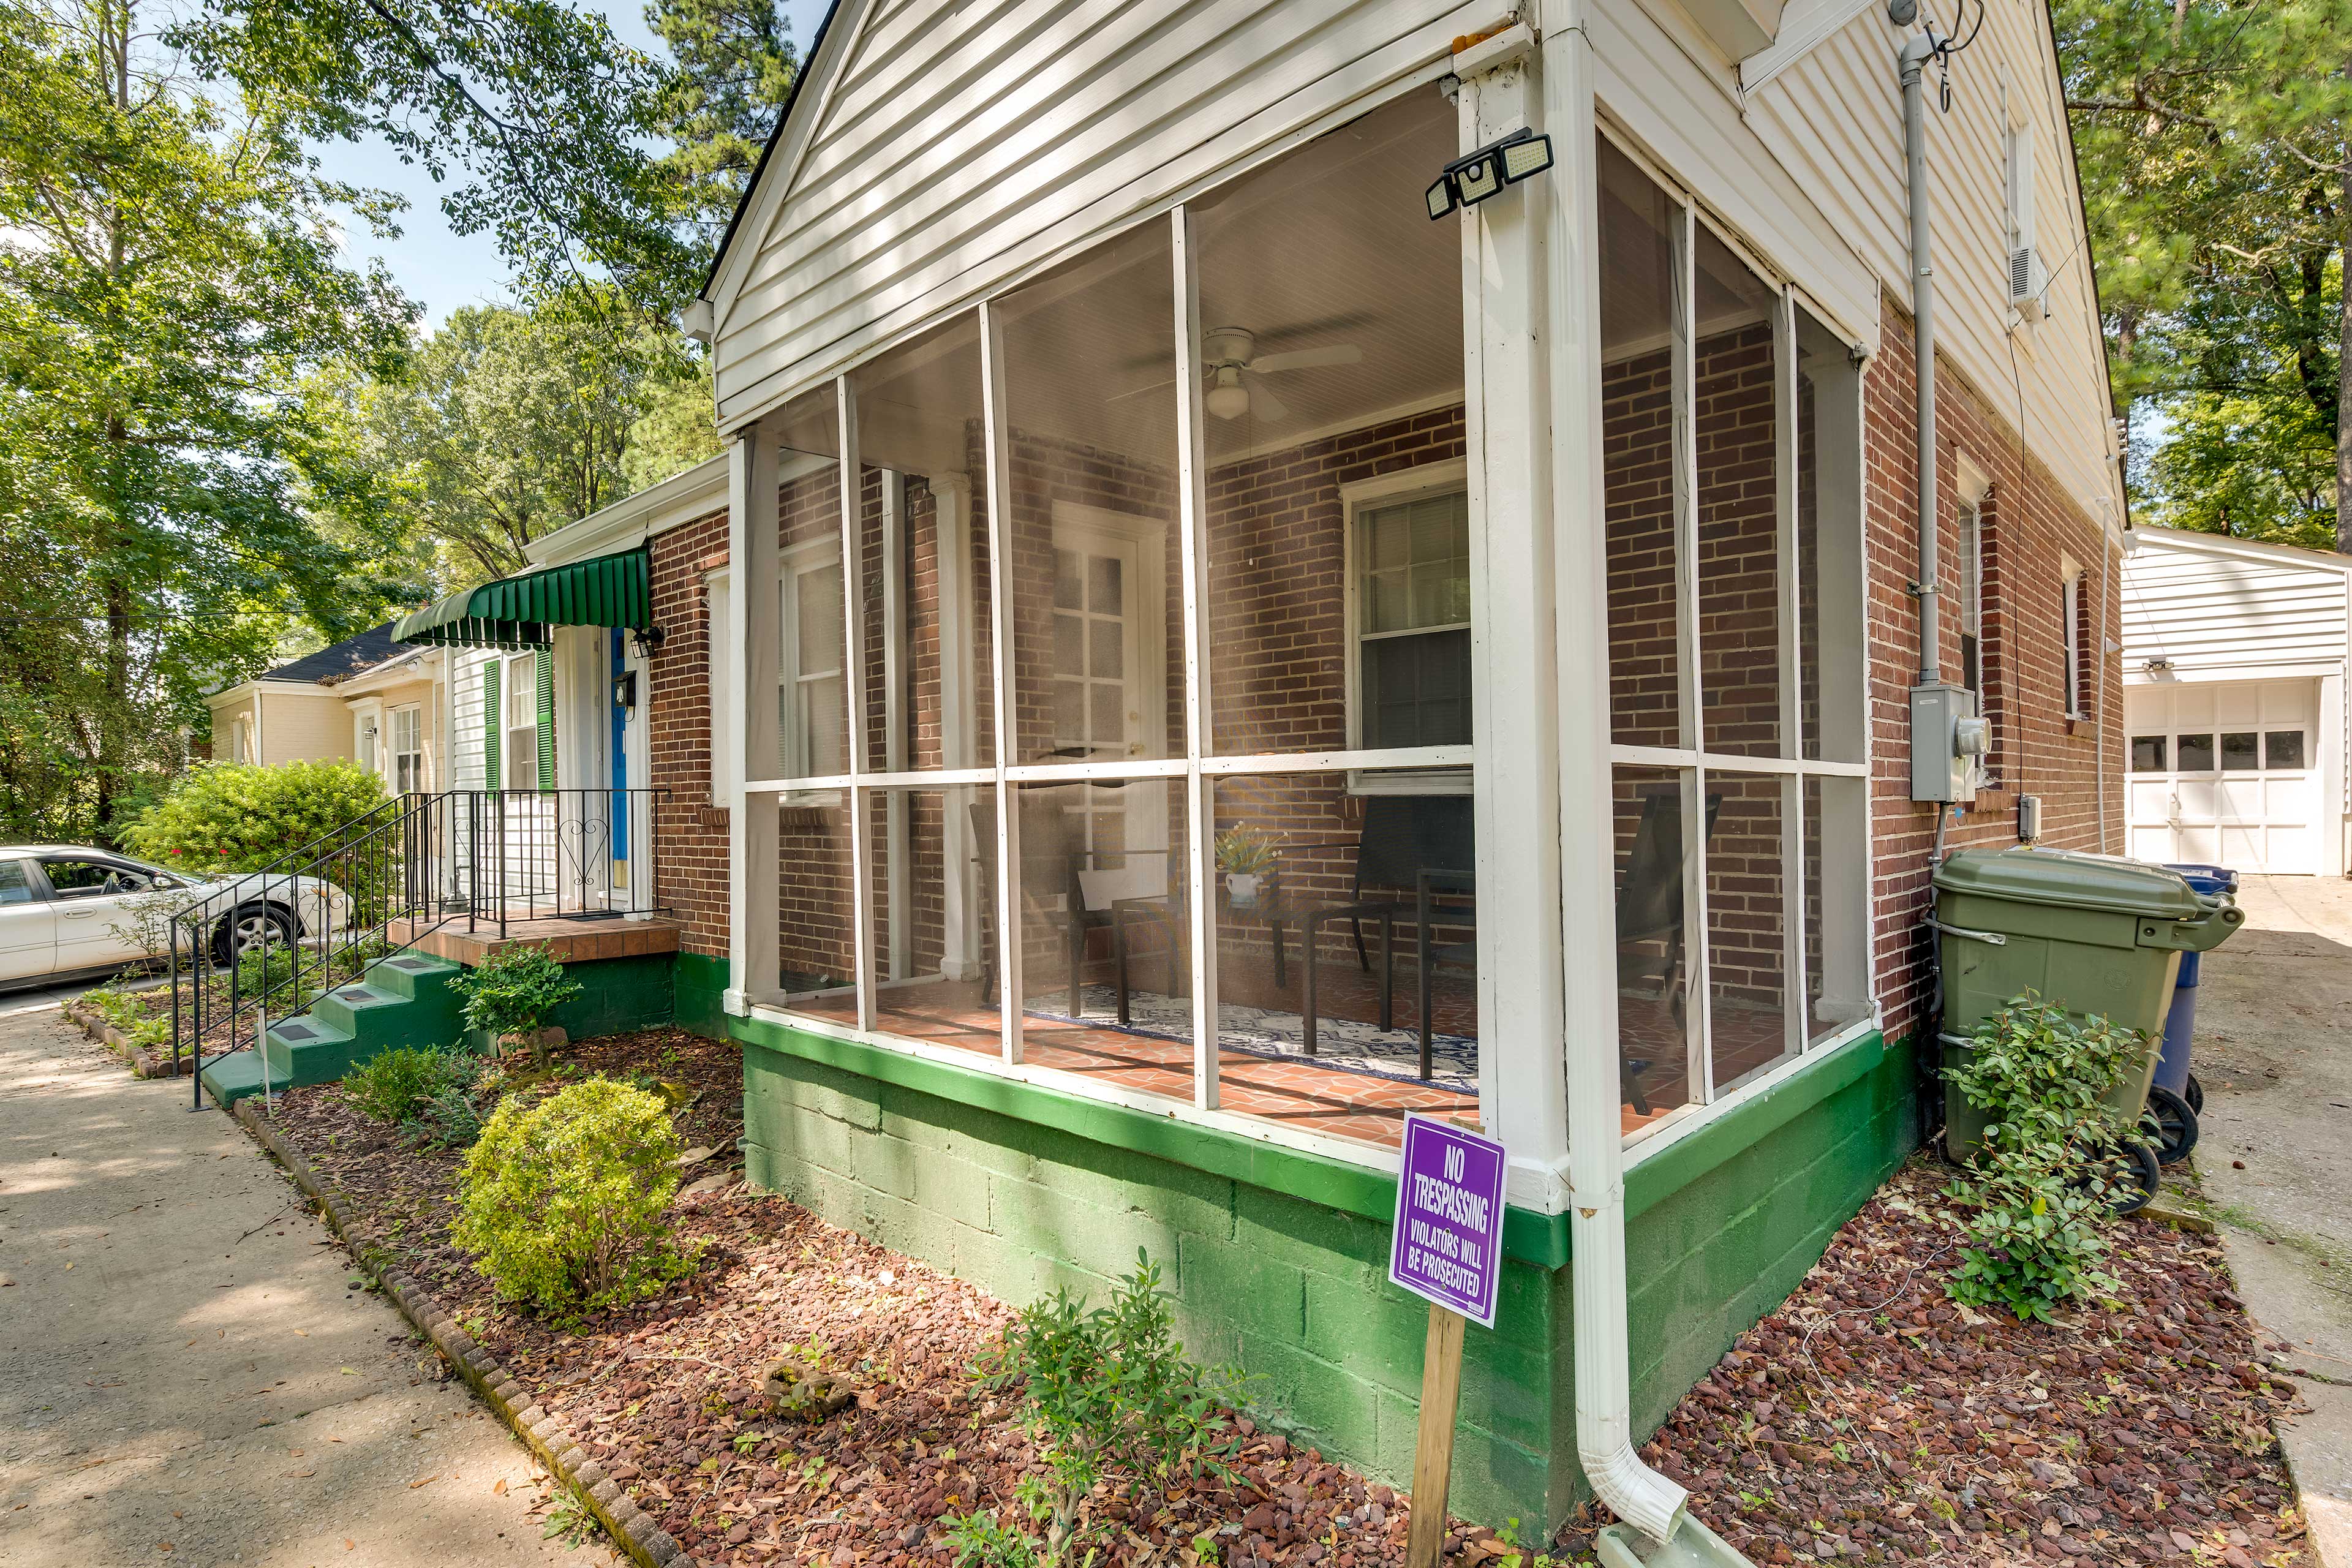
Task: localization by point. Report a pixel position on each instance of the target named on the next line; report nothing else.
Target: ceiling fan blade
(1139, 391)
(1320, 327)
(1309, 359)
(1264, 403)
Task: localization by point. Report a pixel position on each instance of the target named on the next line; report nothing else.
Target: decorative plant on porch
(1248, 859)
(509, 995)
(2040, 1184)
(1117, 1400)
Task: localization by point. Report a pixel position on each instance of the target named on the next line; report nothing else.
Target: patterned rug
(1339, 1043)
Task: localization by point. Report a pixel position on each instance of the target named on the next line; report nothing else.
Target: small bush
(513, 991)
(118, 1008)
(450, 1119)
(1118, 1402)
(220, 817)
(563, 1204)
(398, 1085)
(2040, 1184)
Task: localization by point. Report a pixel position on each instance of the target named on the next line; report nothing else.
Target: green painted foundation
(619, 995)
(1279, 1259)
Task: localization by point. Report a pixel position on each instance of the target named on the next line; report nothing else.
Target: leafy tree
(170, 274)
(675, 432)
(2215, 143)
(735, 68)
(510, 423)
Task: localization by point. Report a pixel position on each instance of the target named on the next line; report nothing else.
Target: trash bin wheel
(2134, 1180)
(2194, 1092)
(2170, 1120)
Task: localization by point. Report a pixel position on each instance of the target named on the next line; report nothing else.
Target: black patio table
(1279, 912)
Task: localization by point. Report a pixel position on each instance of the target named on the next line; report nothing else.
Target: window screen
(1413, 622)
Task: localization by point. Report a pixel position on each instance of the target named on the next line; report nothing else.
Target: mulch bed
(1873, 1419)
(661, 1394)
(1869, 1419)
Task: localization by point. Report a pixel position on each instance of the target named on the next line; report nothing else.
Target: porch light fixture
(1471, 179)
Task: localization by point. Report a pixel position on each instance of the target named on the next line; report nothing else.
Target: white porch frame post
(852, 669)
(952, 506)
(1698, 1058)
(754, 662)
(1506, 279)
(896, 804)
(999, 437)
(1200, 792)
(1795, 991)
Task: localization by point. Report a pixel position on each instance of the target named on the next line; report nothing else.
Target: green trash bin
(2092, 932)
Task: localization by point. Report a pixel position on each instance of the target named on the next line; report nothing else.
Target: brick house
(1142, 487)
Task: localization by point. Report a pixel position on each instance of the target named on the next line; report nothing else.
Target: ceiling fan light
(1227, 399)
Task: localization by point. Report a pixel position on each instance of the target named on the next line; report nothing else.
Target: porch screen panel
(931, 863)
(1347, 927)
(929, 678)
(812, 684)
(1101, 884)
(816, 929)
(1653, 812)
(1644, 440)
(1331, 348)
(1736, 360)
(1732, 446)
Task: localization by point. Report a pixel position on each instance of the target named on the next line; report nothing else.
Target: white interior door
(1110, 692)
(2225, 772)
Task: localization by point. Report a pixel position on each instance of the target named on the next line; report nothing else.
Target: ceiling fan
(1232, 370)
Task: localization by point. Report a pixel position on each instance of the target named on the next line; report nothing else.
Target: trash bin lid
(2070, 879)
(2206, 879)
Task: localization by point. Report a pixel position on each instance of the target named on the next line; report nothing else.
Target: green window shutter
(491, 671)
(546, 718)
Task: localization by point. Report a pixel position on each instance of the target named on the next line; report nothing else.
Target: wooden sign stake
(1433, 1452)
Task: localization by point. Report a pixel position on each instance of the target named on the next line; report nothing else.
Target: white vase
(1240, 888)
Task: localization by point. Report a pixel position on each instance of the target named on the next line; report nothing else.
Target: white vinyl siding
(468, 755)
(2209, 607)
(1040, 125)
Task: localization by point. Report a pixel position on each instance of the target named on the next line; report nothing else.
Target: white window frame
(393, 751)
(2070, 638)
(240, 740)
(1356, 498)
(800, 561)
(1692, 764)
(527, 661)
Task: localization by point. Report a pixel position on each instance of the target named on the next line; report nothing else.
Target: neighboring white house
(2234, 702)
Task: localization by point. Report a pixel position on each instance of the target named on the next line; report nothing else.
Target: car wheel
(244, 929)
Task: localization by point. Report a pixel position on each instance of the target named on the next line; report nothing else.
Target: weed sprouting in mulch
(1873, 1419)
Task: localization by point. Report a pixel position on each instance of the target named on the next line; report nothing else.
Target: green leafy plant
(1115, 1397)
(1245, 850)
(563, 1204)
(2039, 1186)
(221, 818)
(399, 1085)
(120, 1008)
(513, 991)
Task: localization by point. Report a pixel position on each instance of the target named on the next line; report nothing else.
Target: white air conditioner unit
(2029, 279)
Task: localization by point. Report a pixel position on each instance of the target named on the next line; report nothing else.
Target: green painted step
(402, 1000)
(231, 1077)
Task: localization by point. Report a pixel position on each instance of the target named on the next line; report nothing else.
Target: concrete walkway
(2274, 1054)
(186, 1377)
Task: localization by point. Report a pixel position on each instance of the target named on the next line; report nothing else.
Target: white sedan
(70, 912)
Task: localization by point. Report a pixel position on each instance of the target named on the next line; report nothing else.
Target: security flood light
(1471, 179)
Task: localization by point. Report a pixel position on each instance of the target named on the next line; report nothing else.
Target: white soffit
(1804, 24)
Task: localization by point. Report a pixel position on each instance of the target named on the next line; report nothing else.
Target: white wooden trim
(1193, 562)
(852, 670)
(894, 721)
(1726, 762)
(1796, 1004)
(1647, 1141)
(997, 427)
(754, 849)
(1397, 757)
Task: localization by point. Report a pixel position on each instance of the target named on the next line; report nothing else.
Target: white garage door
(2226, 773)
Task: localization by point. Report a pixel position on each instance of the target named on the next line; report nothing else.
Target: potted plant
(509, 995)
(1248, 859)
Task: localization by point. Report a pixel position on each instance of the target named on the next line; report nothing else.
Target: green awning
(613, 590)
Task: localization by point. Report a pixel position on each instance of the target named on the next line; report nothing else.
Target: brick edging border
(646, 1542)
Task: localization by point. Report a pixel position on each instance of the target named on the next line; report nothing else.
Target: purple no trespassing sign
(1449, 1218)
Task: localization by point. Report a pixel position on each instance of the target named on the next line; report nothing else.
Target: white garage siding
(2235, 648)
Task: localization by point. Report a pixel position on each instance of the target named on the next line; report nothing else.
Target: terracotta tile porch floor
(571, 939)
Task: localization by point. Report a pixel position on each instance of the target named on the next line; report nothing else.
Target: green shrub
(513, 991)
(398, 1085)
(564, 1203)
(220, 817)
(118, 1008)
(1118, 1403)
(2040, 1184)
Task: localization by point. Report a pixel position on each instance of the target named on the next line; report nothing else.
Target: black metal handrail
(415, 863)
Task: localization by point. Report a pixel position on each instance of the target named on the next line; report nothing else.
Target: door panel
(90, 896)
(28, 925)
(2221, 772)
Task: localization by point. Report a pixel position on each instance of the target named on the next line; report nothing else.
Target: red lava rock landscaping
(662, 1394)
(1915, 1430)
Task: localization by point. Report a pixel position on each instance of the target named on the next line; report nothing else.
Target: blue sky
(446, 270)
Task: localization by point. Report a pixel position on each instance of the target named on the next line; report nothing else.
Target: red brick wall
(690, 869)
(2033, 522)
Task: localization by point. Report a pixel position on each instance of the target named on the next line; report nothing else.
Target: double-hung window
(408, 750)
(518, 722)
(811, 688)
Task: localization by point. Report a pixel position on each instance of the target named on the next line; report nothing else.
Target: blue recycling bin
(2181, 1022)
